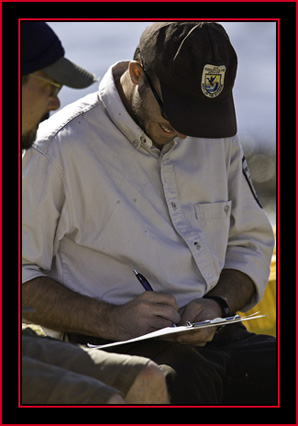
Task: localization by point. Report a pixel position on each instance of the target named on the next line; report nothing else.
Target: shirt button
(227, 209)
(197, 245)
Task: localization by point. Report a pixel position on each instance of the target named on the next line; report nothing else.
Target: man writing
(126, 188)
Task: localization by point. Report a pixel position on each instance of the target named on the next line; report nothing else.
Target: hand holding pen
(199, 337)
(145, 283)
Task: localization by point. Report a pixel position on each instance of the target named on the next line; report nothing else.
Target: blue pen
(145, 283)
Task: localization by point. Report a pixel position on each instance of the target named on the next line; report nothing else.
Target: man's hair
(137, 55)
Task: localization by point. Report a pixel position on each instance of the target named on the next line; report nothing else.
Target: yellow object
(267, 306)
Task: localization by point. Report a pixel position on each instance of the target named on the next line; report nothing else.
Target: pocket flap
(213, 210)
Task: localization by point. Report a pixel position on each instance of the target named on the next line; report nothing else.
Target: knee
(116, 399)
(152, 375)
(149, 387)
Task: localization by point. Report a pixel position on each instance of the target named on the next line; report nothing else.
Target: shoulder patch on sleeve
(249, 181)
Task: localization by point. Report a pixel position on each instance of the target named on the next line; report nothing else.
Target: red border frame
(278, 180)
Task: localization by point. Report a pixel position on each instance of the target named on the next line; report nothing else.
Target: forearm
(58, 308)
(235, 288)
(61, 309)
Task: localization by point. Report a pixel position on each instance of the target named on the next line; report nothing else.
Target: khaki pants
(55, 372)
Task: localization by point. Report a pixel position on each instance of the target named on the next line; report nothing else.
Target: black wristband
(222, 303)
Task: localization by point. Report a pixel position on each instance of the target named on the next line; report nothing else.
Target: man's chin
(28, 139)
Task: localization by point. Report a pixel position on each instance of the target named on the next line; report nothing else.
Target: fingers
(164, 307)
(159, 298)
(148, 312)
(200, 310)
(197, 338)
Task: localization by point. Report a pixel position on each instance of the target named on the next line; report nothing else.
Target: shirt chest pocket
(214, 221)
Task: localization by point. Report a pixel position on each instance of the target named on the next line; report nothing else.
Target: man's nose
(53, 103)
(181, 135)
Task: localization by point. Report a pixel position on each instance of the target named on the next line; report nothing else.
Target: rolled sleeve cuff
(29, 272)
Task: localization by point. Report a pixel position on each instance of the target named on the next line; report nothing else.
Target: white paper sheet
(174, 330)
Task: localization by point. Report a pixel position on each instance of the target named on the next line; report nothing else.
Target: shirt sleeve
(45, 216)
(251, 238)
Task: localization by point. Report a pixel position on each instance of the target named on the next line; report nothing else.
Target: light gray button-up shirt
(100, 200)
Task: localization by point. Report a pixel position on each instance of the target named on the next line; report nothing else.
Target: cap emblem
(213, 77)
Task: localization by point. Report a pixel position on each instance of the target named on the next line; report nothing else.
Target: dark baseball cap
(42, 51)
(196, 66)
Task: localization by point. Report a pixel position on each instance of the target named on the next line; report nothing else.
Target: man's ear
(136, 72)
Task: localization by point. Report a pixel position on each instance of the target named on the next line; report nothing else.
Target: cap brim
(69, 74)
(210, 118)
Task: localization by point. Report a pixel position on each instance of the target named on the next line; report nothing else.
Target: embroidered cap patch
(213, 77)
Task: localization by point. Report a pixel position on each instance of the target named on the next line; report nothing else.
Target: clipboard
(188, 327)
